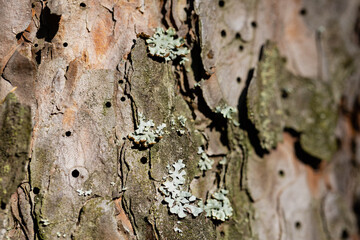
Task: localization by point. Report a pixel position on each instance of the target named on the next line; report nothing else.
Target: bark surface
(289, 156)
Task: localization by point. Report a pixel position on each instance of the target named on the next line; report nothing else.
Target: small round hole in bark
(241, 47)
(3, 205)
(108, 104)
(284, 93)
(238, 79)
(237, 36)
(68, 133)
(303, 11)
(223, 33)
(122, 99)
(36, 45)
(65, 44)
(143, 160)
(345, 234)
(82, 5)
(75, 173)
(222, 233)
(221, 3)
(253, 24)
(297, 225)
(121, 81)
(281, 173)
(36, 190)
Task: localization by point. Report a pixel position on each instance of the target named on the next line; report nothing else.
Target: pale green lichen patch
(218, 207)
(164, 44)
(278, 99)
(146, 134)
(180, 201)
(226, 111)
(205, 163)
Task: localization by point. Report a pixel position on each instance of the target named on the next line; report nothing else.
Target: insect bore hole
(75, 173)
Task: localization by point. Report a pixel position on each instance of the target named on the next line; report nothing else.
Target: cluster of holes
(75, 173)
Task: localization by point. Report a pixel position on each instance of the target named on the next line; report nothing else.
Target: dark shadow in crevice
(245, 122)
(292, 132)
(49, 25)
(300, 153)
(356, 209)
(38, 57)
(357, 27)
(305, 157)
(197, 64)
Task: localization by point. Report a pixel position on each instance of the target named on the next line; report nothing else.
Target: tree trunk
(262, 122)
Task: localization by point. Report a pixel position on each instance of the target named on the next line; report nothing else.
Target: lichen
(226, 111)
(205, 163)
(219, 206)
(146, 134)
(165, 45)
(178, 200)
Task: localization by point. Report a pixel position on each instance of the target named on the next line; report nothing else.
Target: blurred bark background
(82, 74)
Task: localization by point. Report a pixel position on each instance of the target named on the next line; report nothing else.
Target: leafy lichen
(164, 44)
(146, 134)
(178, 200)
(205, 163)
(219, 206)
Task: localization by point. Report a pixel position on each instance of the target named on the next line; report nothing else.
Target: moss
(153, 85)
(277, 99)
(15, 132)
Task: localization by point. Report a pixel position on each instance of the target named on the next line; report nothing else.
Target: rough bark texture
(84, 74)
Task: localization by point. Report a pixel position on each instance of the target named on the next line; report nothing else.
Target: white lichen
(164, 44)
(179, 201)
(182, 120)
(226, 111)
(44, 222)
(223, 161)
(84, 193)
(146, 134)
(176, 229)
(219, 206)
(205, 163)
(198, 84)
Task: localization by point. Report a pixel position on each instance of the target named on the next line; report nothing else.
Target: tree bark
(77, 77)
